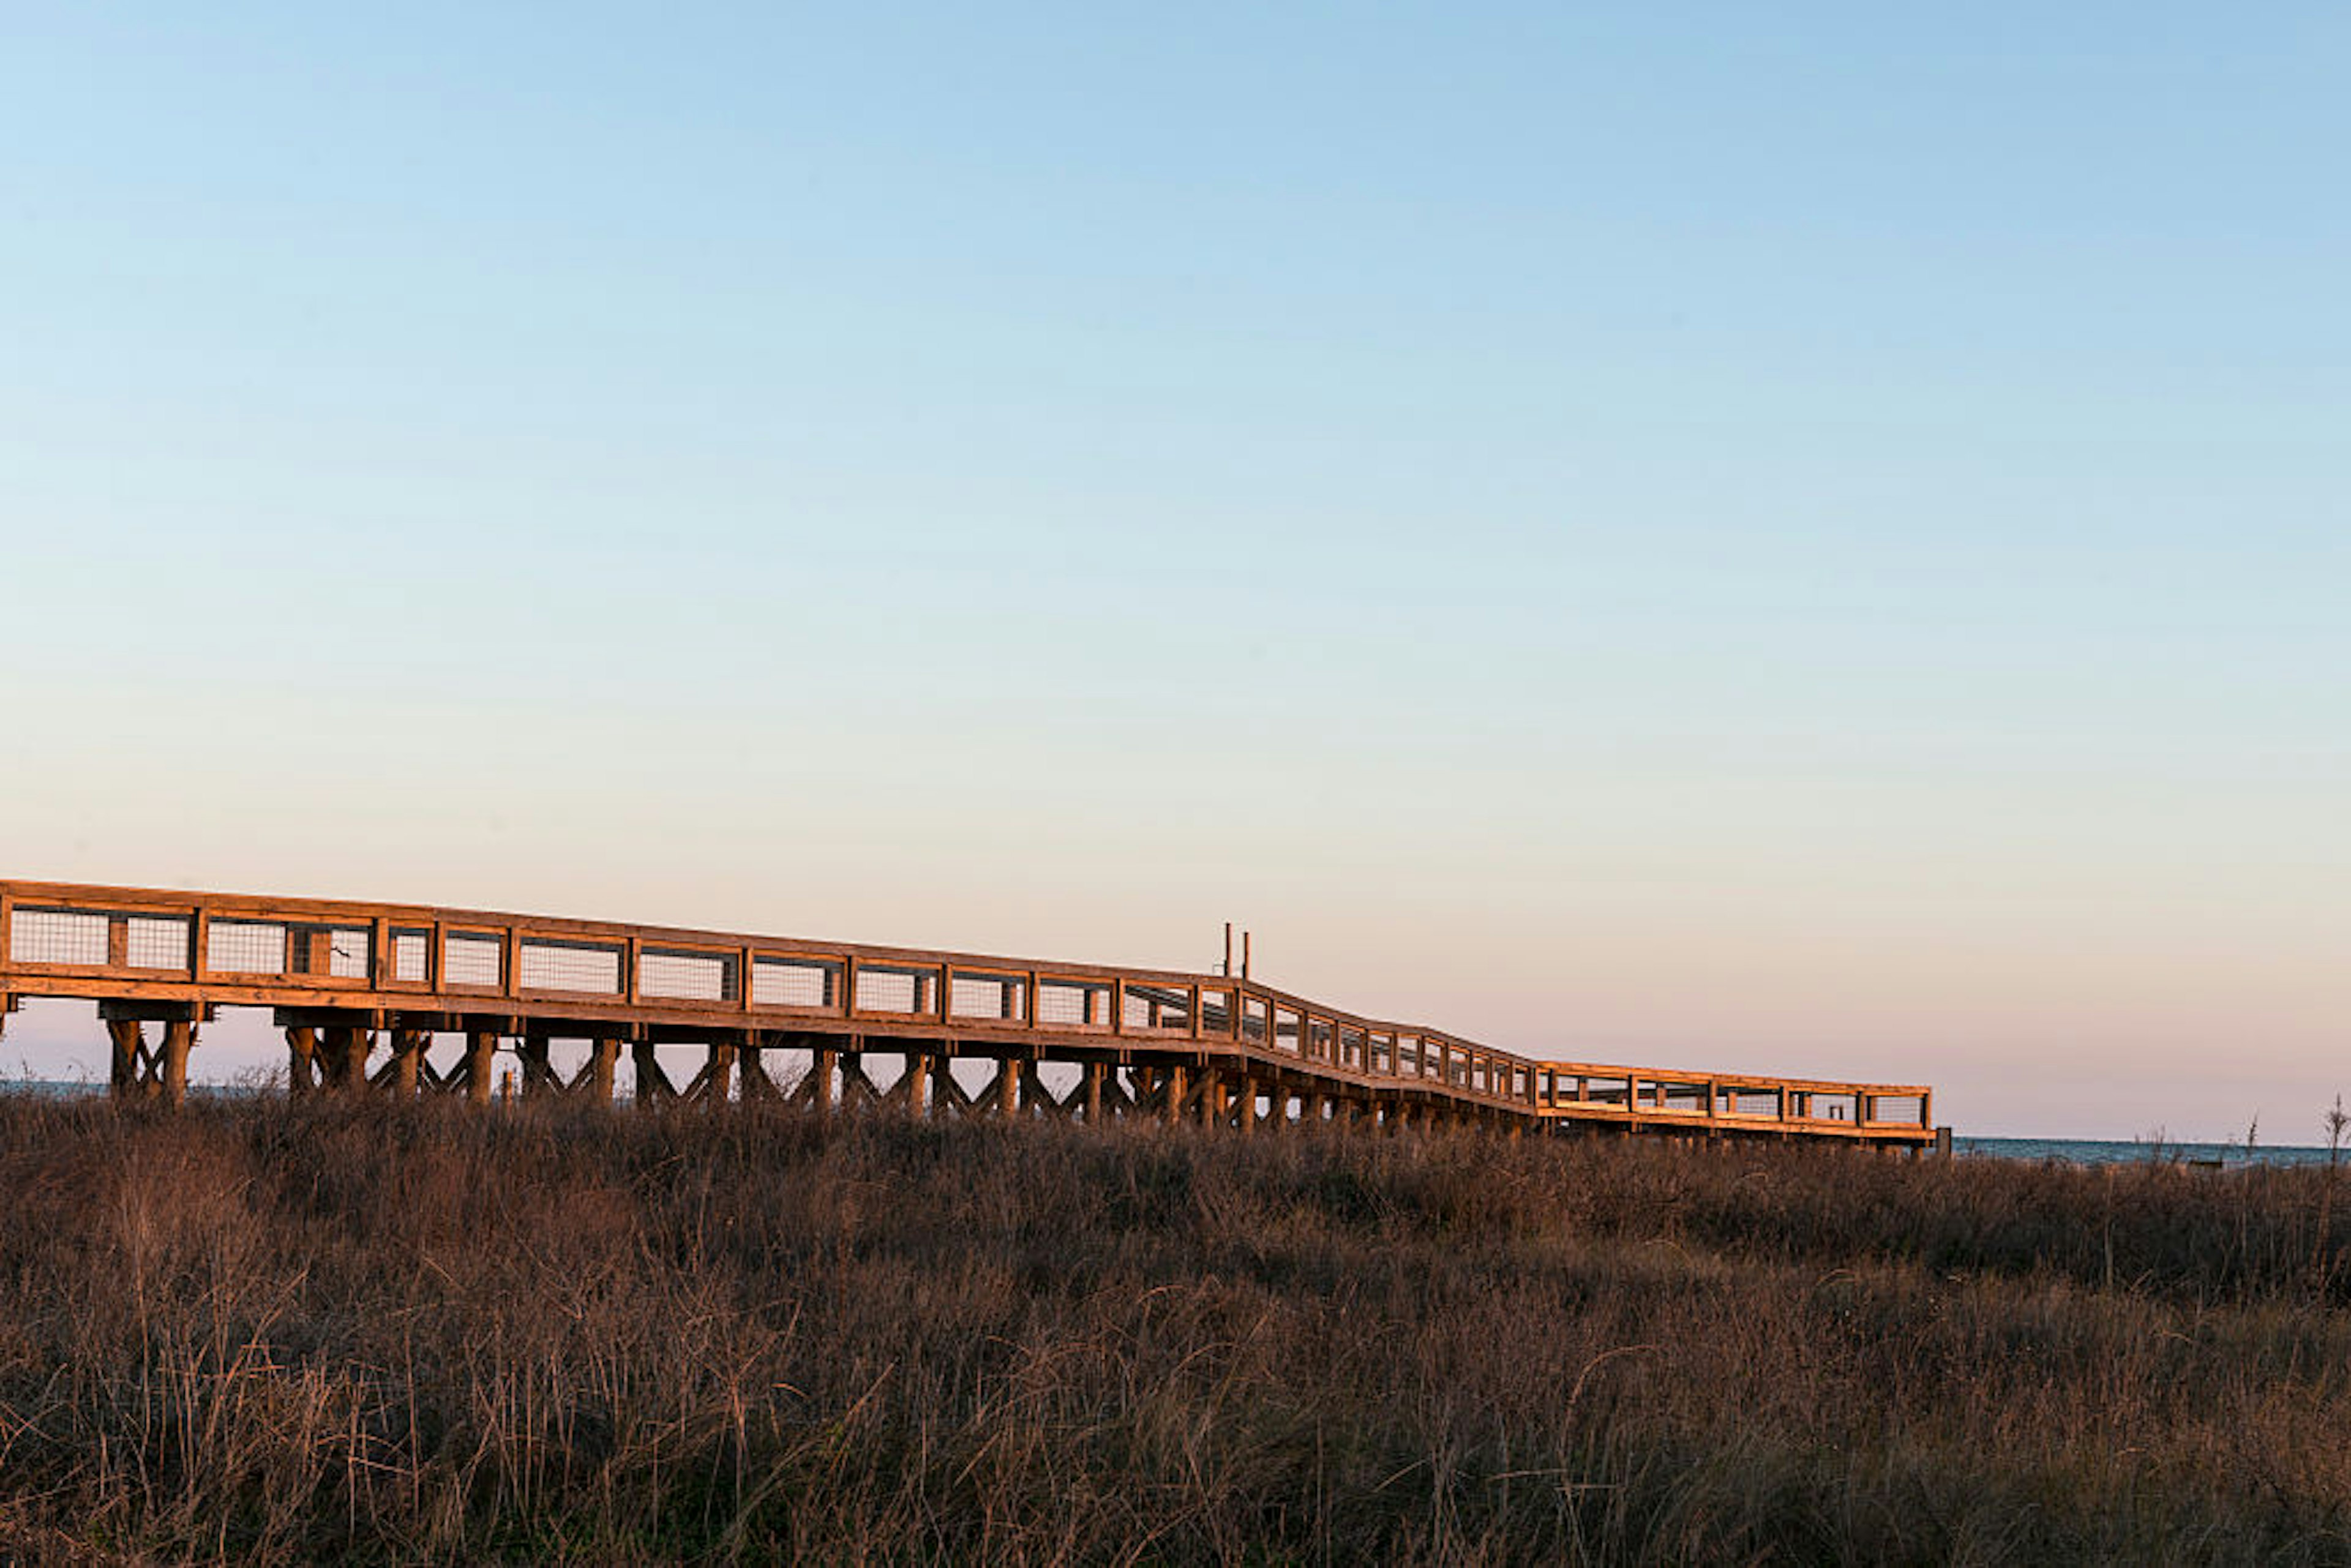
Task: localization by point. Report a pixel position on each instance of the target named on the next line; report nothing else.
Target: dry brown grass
(285, 1334)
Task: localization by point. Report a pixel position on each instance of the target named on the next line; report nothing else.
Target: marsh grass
(283, 1333)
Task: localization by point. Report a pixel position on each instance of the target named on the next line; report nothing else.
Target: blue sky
(1811, 541)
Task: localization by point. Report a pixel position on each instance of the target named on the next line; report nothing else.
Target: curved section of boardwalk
(365, 992)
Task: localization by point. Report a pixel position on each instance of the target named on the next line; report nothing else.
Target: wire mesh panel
(1682, 1099)
(1318, 1038)
(349, 952)
(1216, 1012)
(1156, 1009)
(410, 950)
(591, 968)
(244, 948)
(1383, 1053)
(157, 942)
(1408, 1055)
(475, 961)
(1908, 1110)
(795, 982)
(686, 977)
(909, 990)
(1288, 1028)
(1350, 1047)
(997, 998)
(57, 936)
(1518, 1082)
(1074, 1004)
(1254, 1019)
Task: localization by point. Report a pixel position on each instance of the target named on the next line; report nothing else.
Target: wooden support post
(131, 1046)
(344, 1057)
(653, 1086)
(333, 1056)
(481, 1065)
(301, 1061)
(857, 1087)
(821, 1080)
(757, 1082)
(1094, 1070)
(913, 1090)
(409, 1046)
(604, 1065)
(357, 1044)
(718, 1075)
(538, 1078)
(948, 1096)
(1175, 1080)
(177, 1039)
(1007, 1087)
(1037, 1100)
(1248, 1107)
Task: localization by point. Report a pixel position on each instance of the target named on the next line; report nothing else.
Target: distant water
(2101, 1152)
(2072, 1151)
(74, 1088)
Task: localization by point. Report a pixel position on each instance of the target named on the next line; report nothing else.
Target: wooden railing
(417, 966)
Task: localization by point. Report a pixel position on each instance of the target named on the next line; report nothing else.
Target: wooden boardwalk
(404, 999)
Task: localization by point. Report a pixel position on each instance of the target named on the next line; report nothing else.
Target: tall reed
(286, 1333)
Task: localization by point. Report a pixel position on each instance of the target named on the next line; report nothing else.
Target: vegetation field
(289, 1333)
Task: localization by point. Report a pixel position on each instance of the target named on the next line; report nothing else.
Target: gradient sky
(1807, 540)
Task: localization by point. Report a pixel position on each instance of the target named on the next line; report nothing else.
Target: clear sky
(1800, 538)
